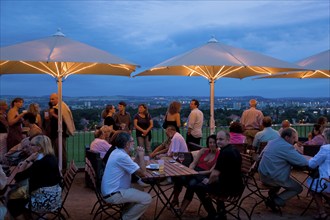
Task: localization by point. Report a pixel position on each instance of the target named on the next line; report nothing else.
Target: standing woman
(35, 110)
(15, 123)
(107, 115)
(143, 124)
(172, 116)
(3, 128)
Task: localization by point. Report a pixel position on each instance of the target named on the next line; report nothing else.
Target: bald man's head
(253, 103)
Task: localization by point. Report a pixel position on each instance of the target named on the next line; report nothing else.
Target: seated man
(267, 134)
(99, 144)
(225, 179)
(174, 143)
(116, 181)
(275, 166)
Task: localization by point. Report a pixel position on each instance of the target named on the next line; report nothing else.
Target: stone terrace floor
(81, 199)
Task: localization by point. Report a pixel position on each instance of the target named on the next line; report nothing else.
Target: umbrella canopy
(60, 57)
(319, 65)
(215, 60)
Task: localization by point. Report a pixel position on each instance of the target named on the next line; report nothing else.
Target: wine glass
(175, 155)
(181, 158)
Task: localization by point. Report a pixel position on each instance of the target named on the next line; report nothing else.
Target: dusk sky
(149, 32)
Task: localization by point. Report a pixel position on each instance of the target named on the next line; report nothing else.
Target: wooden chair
(67, 183)
(258, 191)
(112, 211)
(233, 204)
(240, 147)
(311, 150)
(323, 184)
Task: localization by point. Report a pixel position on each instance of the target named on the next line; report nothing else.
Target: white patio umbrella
(215, 60)
(59, 57)
(318, 65)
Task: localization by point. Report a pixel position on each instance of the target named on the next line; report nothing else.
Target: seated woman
(236, 133)
(41, 168)
(316, 137)
(204, 163)
(321, 160)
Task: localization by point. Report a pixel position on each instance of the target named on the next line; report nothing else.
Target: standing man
(122, 118)
(116, 181)
(195, 123)
(68, 127)
(277, 159)
(252, 121)
(225, 179)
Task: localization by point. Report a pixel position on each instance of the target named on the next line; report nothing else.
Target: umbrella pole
(212, 122)
(60, 128)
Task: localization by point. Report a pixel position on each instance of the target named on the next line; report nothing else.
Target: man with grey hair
(116, 181)
(252, 121)
(277, 159)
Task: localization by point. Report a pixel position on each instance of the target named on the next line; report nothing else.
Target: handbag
(20, 191)
(46, 199)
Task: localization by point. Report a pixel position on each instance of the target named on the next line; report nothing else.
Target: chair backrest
(97, 164)
(192, 146)
(240, 147)
(311, 150)
(68, 180)
(247, 162)
(262, 146)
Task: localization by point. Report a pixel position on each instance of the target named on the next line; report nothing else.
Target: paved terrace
(81, 200)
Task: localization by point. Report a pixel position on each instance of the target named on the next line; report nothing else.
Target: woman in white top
(321, 160)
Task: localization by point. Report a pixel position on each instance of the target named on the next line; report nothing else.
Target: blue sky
(149, 32)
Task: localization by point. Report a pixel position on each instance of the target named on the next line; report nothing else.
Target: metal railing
(77, 144)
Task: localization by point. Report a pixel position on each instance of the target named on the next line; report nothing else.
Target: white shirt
(195, 122)
(178, 144)
(117, 173)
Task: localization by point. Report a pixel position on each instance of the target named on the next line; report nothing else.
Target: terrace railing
(77, 144)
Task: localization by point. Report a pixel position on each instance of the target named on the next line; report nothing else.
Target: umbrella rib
(313, 73)
(37, 68)
(257, 71)
(229, 72)
(78, 70)
(4, 63)
(195, 71)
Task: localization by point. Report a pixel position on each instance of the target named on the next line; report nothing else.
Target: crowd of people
(218, 164)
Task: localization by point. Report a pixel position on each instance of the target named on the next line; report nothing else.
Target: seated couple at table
(225, 175)
(204, 163)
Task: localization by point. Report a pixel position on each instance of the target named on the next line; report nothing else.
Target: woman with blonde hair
(41, 170)
(35, 110)
(172, 116)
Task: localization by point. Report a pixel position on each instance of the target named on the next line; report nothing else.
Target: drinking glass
(181, 158)
(175, 155)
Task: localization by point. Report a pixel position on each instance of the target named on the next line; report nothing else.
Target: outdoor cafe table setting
(157, 172)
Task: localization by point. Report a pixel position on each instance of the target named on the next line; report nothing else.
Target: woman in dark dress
(15, 123)
(172, 116)
(143, 124)
(107, 115)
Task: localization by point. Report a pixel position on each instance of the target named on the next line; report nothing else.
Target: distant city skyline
(149, 32)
